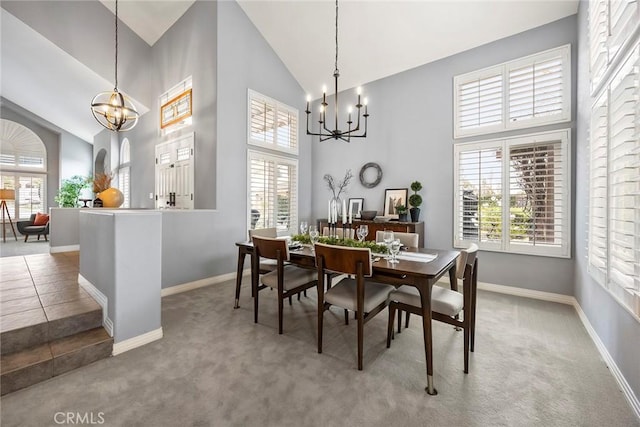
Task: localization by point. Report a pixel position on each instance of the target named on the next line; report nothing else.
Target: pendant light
(113, 110)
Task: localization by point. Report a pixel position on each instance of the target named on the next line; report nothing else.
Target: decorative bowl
(368, 215)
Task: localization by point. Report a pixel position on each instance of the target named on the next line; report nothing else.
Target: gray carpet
(534, 365)
(20, 248)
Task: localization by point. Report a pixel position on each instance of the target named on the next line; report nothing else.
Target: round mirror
(370, 175)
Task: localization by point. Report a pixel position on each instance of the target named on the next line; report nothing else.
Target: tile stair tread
(23, 319)
(41, 353)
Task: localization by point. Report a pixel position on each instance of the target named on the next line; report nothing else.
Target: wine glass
(314, 236)
(303, 227)
(362, 232)
(387, 237)
(394, 249)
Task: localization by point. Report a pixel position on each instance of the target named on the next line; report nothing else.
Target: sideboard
(404, 227)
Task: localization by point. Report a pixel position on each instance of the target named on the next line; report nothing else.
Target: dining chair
(446, 304)
(357, 294)
(287, 279)
(407, 239)
(348, 232)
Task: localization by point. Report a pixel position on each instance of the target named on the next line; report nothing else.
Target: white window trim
(505, 245)
(251, 154)
(279, 106)
(503, 69)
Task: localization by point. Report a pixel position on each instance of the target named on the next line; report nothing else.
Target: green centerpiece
(375, 248)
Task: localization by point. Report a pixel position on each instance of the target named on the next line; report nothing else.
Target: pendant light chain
(116, 73)
(336, 68)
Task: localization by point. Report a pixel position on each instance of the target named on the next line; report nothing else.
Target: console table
(403, 227)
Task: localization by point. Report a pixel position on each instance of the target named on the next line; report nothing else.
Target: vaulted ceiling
(376, 39)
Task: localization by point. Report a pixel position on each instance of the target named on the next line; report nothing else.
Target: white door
(175, 173)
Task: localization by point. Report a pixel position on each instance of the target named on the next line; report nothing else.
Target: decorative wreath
(371, 184)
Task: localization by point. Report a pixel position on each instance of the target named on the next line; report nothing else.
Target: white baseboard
(569, 300)
(58, 249)
(208, 281)
(135, 342)
(101, 299)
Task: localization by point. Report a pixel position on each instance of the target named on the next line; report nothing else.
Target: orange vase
(111, 198)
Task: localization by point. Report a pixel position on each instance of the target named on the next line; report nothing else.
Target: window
(23, 159)
(273, 192)
(513, 195)
(614, 150)
(176, 107)
(531, 91)
(272, 124)
(124, 172)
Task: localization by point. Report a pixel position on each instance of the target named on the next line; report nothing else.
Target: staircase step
(25, 368)
(33, 365)
(80, 349)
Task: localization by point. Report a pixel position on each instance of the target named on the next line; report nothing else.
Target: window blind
(272, 124)
(480, 102)
(512, 195)
(624, 175)
(525, 92)
(273, 192)
(536, 90)
(124, 177)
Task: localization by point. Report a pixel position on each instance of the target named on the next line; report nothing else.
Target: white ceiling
(377, 38)
(381, 38)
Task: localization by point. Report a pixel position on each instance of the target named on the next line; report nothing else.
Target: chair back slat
(342, 259)
(267, 247)
(408, 239)
(466, 257)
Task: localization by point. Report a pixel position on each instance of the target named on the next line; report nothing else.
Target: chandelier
(345, 135)
(114, 110)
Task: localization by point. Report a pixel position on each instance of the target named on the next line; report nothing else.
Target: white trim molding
(137, 341)
(68, 248)
(101, 299)
(207, 281)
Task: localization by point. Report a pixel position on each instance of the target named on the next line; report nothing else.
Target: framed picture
(176, 109)
(392, 198)
(355, 206)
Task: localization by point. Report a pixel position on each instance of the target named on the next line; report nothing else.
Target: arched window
(23, 159)
(124, 172)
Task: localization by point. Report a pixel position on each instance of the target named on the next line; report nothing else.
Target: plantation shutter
(598, 183)
(272, 124)
(537, 89)
(536, 195)
(124, 185)
(479, 102)
(479, 182)
(623, 17)
(624, 175)
(598, 34)
(273, 194)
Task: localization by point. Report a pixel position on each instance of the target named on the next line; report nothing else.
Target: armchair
(27, 228)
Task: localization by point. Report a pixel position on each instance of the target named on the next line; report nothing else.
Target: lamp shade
(6, 194)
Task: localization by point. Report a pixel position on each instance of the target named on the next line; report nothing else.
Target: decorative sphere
(111, 198)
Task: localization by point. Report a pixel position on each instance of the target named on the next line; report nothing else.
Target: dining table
(417, 267)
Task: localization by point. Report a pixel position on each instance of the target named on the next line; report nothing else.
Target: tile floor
(36, 289)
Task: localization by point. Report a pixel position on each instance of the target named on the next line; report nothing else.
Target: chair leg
(290, 303)
(360, 338)
(320, 325)
(26, 236)
(280, 310)
(400, 321)
(38, 237)
(392, 315)
(406, 322)
(305, 293)
(298, 296)
(45, 238)
(466, 350)
(346, 316)
(255, 306)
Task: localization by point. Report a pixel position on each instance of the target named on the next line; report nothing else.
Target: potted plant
(402, 213)
(415, 200)
(69, 191)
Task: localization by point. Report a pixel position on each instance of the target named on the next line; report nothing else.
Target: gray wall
(411, 137)
(615, 326)
(187, 48)
(246, 61)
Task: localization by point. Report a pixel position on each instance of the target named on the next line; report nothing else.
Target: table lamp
(6, 194)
